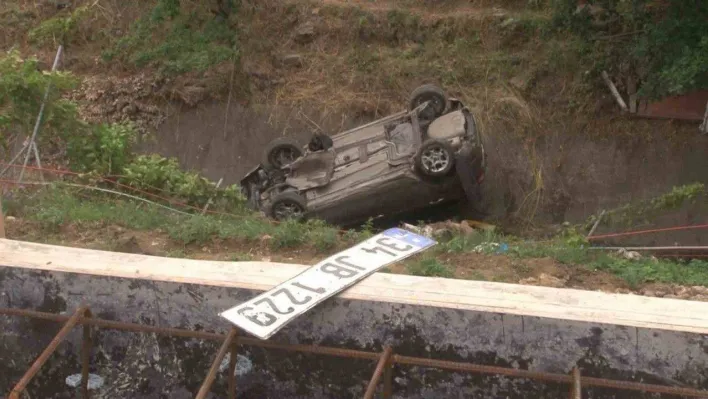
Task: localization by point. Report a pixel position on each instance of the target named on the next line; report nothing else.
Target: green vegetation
(634, 272)
(59, 206)
(99, 151)
(643, 211)
(60, 29)
(22, 88)
(175, 40)
(429, 267)
(665, 44)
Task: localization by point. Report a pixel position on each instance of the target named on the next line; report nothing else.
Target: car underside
(429, 154)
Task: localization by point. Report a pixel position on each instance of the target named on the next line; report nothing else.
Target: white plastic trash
(94, 381)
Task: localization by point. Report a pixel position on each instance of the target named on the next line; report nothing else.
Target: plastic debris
(631, 255)
(94, 381)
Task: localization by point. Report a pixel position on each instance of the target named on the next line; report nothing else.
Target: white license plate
(267, 313)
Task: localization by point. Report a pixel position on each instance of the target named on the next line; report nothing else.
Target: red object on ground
(691, 106)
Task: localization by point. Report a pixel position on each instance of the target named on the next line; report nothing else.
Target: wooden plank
(482, 296)
(2, 219)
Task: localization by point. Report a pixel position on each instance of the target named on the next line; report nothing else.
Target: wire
(638, 232)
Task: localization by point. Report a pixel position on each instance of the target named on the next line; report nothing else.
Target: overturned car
(430, 153)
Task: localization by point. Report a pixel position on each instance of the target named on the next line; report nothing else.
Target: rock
(292, 60)
(519, 83)
(684, 293)
(699, 290)
(545, 280)
(465, 228)
(631, 255)
(508, 22)
(10, 218)
(128, 245)
(305, 32)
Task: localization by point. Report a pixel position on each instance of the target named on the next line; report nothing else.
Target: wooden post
(613, 90)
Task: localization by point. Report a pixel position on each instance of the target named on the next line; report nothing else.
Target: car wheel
(287, 205)
(434, 94)
(281, 152)
(435, 158)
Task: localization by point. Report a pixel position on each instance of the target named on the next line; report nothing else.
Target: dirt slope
(559, 149)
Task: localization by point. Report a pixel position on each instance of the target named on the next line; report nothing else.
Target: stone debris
(243, 365)
(448, 229)
(545, 280)
(694, 293)
(305, 32)
(292, 60)
(94, 381)
(631, 255)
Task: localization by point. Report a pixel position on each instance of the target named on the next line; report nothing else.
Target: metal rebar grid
(72, 321)
(211, 376)
(384, 360)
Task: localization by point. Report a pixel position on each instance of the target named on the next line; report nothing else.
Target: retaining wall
(626, 337)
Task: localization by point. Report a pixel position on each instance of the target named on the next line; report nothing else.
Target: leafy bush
(668, 42)
(159, 175)
(103, 149)
(22, 88)
(58, 29)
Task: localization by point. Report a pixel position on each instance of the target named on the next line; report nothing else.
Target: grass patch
(175, 40)
(634, 272)
(240, 257)
(429, 267)
(55, 207)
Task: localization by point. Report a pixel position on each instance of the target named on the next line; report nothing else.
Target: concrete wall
(150, 366)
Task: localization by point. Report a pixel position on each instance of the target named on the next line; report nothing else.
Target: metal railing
(231, 341)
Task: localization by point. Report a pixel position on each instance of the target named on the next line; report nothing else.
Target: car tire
(435, 158)
(287, 205)
(434, 94)
(281, 152)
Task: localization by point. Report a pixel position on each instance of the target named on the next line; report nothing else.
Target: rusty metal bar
(476, 368)
(395, 359)
(380, 366)
(388, 380)
(575, 390)
(211, 376)
(232, 368)
(48, 351)
(636, 386)
(549, 377)
(322, 350)
(85, 356)
(2, 219)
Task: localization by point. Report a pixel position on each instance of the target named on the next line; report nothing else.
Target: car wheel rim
(434, 105)
(284, 157)
(435, 159)
(287, 210)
